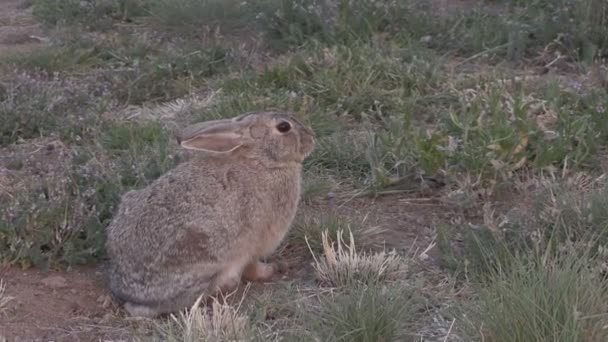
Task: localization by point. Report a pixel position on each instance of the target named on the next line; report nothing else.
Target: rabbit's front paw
(261, 271)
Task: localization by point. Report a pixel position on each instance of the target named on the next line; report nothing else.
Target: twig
(449, 330)
(481, 54)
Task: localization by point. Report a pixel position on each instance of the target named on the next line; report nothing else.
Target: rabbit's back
(155, 238)
(181, 229)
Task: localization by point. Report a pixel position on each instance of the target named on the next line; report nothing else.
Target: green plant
(94, 14)
(191, 17)
(53, 59)
(166, 76)
(561, 298)
(570, 212)
(33, 106)
(142, 151)
(483, 250)
(374, 313)
(58, 224)
(288, 23)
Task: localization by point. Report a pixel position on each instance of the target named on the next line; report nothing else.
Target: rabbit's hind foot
(261, 271)
(141, 311)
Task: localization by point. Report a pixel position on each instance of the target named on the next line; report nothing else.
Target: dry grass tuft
(219, 322)
(344, 266)
(4, 298)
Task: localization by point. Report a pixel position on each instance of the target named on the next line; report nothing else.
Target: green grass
(564, 213)
(57, 224)
(53, 59)
(193, 17)
(375, 313)
(143, 152)
(94, 15)
(541, 275)
(560, 299)
(60, 221)
(38, 105)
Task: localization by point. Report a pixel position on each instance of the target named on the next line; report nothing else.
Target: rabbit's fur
(205, 224)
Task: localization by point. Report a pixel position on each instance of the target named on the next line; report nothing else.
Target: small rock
(55, 282)
(426, 39)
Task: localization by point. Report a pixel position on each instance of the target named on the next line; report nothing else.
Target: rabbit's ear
(218, 138)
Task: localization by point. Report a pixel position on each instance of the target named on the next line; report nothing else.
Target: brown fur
(197, 228)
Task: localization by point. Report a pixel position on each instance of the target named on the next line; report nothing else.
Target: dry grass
(220, 321)
(344, 266)
(5, 299)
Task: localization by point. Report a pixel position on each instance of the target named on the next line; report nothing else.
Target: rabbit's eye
(284, 127)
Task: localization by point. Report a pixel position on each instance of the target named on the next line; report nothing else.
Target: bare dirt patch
(57, 306)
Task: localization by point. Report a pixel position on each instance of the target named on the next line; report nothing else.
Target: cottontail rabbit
(208, 222)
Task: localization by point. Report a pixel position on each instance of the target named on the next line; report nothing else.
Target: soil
(57, 306)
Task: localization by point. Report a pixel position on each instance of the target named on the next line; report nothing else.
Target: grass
(186, 16)
(53, 60)
(344, 266)
(34, 106)
(60, 220)
(502, 106)
(93, 15)
(557, 299)
(366, 314)
(5, 299)
(223, 322)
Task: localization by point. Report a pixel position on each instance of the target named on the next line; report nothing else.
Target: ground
(467, 136)
(59, 305)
